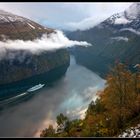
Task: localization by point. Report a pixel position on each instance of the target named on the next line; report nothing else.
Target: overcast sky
(63, 15)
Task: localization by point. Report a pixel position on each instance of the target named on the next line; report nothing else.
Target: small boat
(36, 87)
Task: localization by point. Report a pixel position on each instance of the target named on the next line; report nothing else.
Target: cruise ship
(36, 87)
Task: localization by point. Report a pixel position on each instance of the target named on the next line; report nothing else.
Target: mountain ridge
(110, 42)
(17, 27)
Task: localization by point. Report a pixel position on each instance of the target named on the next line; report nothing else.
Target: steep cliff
(22, 67)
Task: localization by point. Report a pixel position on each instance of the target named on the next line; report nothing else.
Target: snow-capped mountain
(116, 38)
(131, 14)
(130, 18)
(17, 27)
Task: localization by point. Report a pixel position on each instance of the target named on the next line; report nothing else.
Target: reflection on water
(69, 95)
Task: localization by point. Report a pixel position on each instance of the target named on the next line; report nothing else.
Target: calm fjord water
(69, 95)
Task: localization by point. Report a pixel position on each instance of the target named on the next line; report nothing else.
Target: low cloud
(131, 30)
(47, 42)
(85, 24)
(119, 38)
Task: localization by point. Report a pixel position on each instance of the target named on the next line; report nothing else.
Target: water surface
(69, 95)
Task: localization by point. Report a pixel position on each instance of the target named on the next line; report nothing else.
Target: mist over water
(69, 95)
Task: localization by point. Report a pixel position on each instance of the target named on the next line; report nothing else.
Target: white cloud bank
(131, 30)
(118, 38)
(47, 42)
(85, 24)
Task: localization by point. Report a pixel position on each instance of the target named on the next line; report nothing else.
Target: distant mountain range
(115, 39)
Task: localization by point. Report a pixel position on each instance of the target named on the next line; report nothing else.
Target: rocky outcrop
(26, 64)
(133, 132)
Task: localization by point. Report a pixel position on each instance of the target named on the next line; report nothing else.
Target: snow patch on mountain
(113, 18)
(3, 19)
(122, 20)
(118, 18)
(14, 18)
(9, 17)
(132, 132)
(31, 26)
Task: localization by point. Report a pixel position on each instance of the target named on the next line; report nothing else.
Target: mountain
(115, 39)
(21, 69)
(17, 27)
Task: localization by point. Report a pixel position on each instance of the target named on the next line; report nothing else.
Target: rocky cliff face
(115, 39)
(22, 65)
(26, 64)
